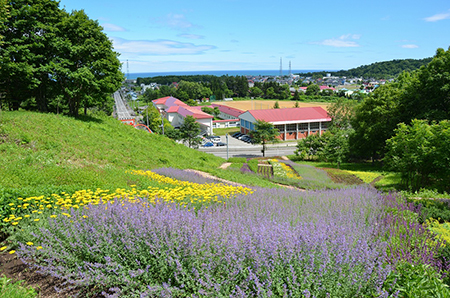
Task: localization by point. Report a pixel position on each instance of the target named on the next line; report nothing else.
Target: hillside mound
(53, 153)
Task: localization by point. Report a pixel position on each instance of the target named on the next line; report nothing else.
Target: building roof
(291, 115)
(169, 101)
(226, 120)
(174, 105)
(228, 110)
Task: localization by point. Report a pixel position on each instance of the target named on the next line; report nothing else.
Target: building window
(325, 125)
(314, 125)
(291, 127)
(303, 126)
(279, 127)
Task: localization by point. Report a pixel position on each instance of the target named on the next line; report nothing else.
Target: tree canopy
(378, 70)
(52, 60)
(190, 131)
(264, 133)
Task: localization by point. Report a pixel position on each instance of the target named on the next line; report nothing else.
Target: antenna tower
(128, 71)
(290, 70)
(281, 67)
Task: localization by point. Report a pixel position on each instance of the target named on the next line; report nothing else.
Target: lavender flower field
(267, 243)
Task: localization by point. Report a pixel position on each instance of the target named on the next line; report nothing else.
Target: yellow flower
(3, 248)
(11, 252)
(36, 219)
(15, 223)
(38, 247)
(29, 243)
(66, 214)
(53, 216)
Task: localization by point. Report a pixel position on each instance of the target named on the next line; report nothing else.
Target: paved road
(238, 148)
(121, 109)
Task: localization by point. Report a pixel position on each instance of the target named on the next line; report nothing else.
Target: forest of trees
(55, 61)
(403, 123)
(377, 70)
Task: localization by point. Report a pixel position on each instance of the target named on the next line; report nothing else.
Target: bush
(253, 165)
(412, 281)
(237, 159)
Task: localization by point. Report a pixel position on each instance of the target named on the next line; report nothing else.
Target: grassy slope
(45, 152)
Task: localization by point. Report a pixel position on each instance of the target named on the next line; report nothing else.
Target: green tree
(264, 133)
(312, 89)
(4, 13)
(256, 92)
(270, 93)
(309, 147)
(89, 69)
(429, 96)
(409, 152)
(51, 57)
(342, 112)
(296, 96)
(377, 117)
(28, 52)
(276, 105)
(336, 147)
(284, 92)
(420, 152)
(296, 105)
(154, 119)
(190, 131)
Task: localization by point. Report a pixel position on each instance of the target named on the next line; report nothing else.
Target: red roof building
(175, 111)
(292, 123)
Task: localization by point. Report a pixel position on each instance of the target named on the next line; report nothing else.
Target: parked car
(214, 139)
(237, 134)
(221, 144)
(242, 136)
(208, 144)
(246, 139)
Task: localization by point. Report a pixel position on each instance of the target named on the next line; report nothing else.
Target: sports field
(246, 105)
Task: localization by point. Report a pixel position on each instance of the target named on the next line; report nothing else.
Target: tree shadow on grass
(88, 118)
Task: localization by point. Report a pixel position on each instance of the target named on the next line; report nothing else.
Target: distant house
(229, 116)
(292, 123)
(176, 111)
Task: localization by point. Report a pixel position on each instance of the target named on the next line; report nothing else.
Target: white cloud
(438, 17)
(191, 36)
(344, 41)
(158, 47)
(112, 27)
(410, 46)
(176, 21)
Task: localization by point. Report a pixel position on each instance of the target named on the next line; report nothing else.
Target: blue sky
(167, 35)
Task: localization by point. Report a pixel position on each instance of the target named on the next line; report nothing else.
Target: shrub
(412, 281)
(237, 159)
(253, 165)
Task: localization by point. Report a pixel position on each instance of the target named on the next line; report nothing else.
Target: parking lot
(240, 148)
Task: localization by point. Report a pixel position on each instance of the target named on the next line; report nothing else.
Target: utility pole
(162, 121)
(226, 135)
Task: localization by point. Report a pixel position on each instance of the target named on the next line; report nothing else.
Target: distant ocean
(133, 76)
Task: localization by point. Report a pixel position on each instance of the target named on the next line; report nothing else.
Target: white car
(214, 139)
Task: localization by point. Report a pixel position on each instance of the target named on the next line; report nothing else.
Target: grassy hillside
(45, 152)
